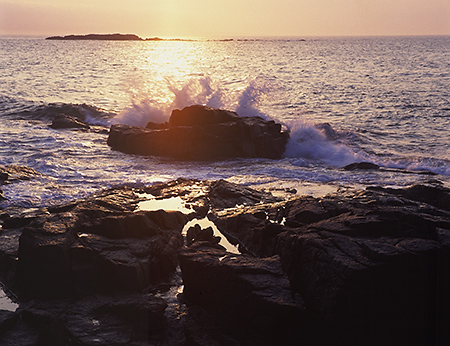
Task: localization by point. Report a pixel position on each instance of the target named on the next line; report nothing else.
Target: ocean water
(384, 100)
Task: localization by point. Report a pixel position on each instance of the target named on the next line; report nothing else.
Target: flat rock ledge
(366, 267)
(203, 133)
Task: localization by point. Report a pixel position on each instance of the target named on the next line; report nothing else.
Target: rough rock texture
(252, 295)
(354, 268)
(372, 267)
(115, 319)
(11, 173)
(202, 133)
(95, 245)
(63, 121)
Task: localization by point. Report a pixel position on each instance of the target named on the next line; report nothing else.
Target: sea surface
(384, 100)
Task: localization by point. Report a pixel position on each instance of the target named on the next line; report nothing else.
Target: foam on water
(144, 109)
(203, 90)
(319, 143)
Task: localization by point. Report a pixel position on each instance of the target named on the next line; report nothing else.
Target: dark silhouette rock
(156, 126)
(367, 166)
(117, 319)
(62, 121)
(200, 115)
(351, 268)
(98, 37)
(249, 294)
(96, 246)
(202, 133)
(369, 265)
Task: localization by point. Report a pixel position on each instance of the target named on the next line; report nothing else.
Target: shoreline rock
(366, 267)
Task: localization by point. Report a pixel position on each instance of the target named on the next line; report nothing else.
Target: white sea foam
(202, 91)
(319, 143)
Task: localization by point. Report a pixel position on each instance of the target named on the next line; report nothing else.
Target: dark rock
(433, 194)
(369, 166)
(156, 126)
(352, 268)
(118, 319)
(223, 194)
(251, 295)
(98, 37)
(368, 264)
(11, 173)
(62, 121)
(202, 133)
(256, 228)
(200, 115)
(374, 270)
(95, 246)
(196, 233)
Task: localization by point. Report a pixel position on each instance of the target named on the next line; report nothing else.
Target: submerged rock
(369, 166)
(203, 133)
(63, 121)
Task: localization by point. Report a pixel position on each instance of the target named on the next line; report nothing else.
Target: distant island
(111, 37)
(134, 37)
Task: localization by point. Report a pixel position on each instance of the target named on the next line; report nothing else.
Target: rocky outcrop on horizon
(357, 267)
(98, 37)
(203, 133)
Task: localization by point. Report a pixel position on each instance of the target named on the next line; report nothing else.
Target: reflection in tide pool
(177, 204)
(169, 204)
(205, 223)
(6, 303)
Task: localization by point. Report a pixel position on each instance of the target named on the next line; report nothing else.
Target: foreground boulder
(250, 295)
(98, 245)
(203, 133)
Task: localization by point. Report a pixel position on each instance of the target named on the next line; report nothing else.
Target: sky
(230, 18)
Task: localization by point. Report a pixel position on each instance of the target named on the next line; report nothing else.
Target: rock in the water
(202, 133)
(63, 121)
(10, 173)
(369, 166)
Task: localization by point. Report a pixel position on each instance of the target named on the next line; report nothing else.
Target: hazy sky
(213, 18)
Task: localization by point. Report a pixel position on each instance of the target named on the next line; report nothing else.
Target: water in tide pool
(384, 100)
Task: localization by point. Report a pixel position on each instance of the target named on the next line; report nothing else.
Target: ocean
(384, 100)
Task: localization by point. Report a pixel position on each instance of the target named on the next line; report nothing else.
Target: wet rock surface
(63, 121)
(203, 133)
(368, 267)
(11, 173)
